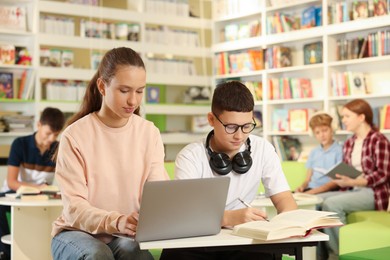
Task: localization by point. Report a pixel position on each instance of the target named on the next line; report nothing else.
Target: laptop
(181, 208)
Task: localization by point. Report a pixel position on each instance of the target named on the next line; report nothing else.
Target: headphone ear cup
(242, 162)
(220, 163)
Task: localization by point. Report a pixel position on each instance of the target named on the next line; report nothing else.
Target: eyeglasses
(232, 128)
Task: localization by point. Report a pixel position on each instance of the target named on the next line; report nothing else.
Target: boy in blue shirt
(30, 163)
(322, 158)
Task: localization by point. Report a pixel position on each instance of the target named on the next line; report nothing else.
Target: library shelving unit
(17, 34)
(277, 19)
(72, 37)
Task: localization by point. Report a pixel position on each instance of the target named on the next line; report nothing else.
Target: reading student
(230, 150)
(368, 151)
(322, 158)
(29, 162)
(106, 154)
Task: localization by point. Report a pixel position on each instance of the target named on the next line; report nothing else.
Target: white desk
(31, 224)
(310, 202)
(266, 204)
(225, 241)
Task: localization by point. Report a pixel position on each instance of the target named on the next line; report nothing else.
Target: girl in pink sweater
(105, 156)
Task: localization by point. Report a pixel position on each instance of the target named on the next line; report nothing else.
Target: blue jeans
(74, 245)
(343, 203)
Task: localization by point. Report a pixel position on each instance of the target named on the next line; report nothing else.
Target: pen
(246, 204)
(249, 206)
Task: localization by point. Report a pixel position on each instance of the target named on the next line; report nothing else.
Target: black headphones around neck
(220, 162)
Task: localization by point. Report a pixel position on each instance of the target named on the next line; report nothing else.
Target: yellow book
(298, 120)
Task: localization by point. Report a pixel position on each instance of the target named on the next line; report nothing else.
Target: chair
(295, 173)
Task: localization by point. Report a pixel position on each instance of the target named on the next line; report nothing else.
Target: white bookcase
(22, 37)
(376, 68)
(152, 19)
(178, 115)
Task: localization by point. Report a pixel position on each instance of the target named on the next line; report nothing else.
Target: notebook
(343, 169)
(181, 208)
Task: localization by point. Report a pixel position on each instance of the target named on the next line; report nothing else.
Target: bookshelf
(85, 32)
(154, 36)
(278, 29)
(17, 44)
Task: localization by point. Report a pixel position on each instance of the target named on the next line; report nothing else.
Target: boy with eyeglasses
(230, 150)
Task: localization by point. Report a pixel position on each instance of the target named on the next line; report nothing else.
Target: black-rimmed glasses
(232, 128)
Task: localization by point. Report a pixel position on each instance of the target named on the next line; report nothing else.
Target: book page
(264, 230)
(27, 190)
(307, 218)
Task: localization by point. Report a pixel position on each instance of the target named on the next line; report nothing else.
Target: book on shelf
(343, 169)
(13, 17)
(255, 88)
(7, 54)
(292, 148)
(312, 53)
(380, 7)
(298, 120)
(280, 119)
(258, 117)
(295, 223)
(278, 57)
(308, 19)
(357, 83)
(284, 57)
(384, 117)
(200, 124)
(6, 85)
(359, 10)
(288, 148)
(152, 94)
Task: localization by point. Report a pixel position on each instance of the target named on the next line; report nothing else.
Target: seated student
(322, 158)
(230, 150)
(367, 150)
(30, 164)
(106, 154)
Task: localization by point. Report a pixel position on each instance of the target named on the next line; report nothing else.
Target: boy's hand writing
(239, 216)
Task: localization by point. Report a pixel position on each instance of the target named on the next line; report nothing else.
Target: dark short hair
(232, 96)
(53, 117)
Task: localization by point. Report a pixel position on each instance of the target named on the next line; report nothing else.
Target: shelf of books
(305, 56)
(172, 37)
(17, 71)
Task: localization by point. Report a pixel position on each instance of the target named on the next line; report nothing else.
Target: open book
(28, 190)
(343, 169)
(33, 193)
(295, 223)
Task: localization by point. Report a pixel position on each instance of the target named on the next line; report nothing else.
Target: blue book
(318, 15)
(6, 85)
(308, 17)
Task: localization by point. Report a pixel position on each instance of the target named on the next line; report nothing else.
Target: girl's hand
(128, 224)
(344, 181)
